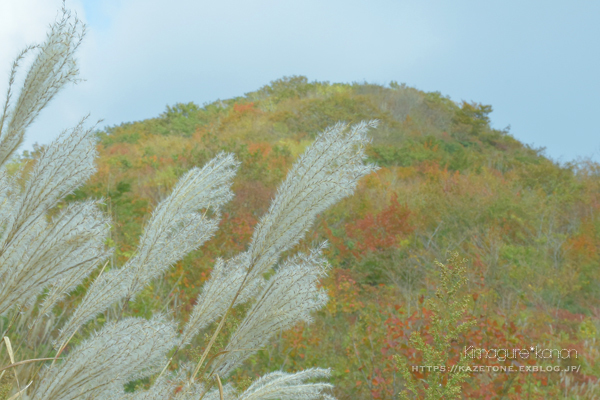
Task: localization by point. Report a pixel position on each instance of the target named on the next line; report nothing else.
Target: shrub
(448, 308)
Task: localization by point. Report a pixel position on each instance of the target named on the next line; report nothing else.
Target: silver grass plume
(283, 386)
(229, 393)
(35, 253)
(178, 225)
(163, 388)
(9, 194)
(120, 352)
(174, 387)
(53, 67)
(95, 254)
(218, 292)
(328, 171)
(288, 297)
(66, 164)
(193, 391)
(186, 390)
(59, 253)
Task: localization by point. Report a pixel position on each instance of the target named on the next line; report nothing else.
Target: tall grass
(47, 252)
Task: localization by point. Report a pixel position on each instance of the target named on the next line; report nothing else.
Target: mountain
(448, 182)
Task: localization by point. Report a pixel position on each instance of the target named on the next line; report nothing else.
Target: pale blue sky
(535, 62)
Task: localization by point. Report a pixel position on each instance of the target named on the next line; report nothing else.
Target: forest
(447, 183)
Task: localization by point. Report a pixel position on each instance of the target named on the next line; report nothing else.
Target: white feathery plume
(218, 292)
(177, 226)
(66, 164)
(288, 297)
(283, 386)
(229, 393)
(60, 253)
(96, 254)
(194, 391)
(120, 352)
(14, 140)
(106, 289)
(9, 195)
(327, 172)
(53, 67)
(186, 390)
(174, 387)
(163, 388)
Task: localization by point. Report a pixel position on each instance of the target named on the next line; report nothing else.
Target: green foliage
(288, 87)
(473, 115)
(181, 119)
(449, 309)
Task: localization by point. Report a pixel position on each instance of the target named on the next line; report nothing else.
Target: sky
(536, 62)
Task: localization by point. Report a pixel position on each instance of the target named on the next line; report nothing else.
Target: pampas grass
(43, 259)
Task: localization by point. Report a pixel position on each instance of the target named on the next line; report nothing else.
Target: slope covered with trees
(448, 182)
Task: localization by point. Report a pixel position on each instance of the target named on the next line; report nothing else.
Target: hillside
(448, 182)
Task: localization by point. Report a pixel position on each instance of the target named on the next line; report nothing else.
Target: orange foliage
(264, 149)
(343, 292)
(242, 108)
(584, 245)
(119, 148)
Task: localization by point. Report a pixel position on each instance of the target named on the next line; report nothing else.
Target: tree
(46, 253)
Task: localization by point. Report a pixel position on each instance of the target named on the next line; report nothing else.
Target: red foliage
(381, 231)
(235, 231)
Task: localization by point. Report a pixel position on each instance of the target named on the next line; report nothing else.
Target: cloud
(23, 21)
